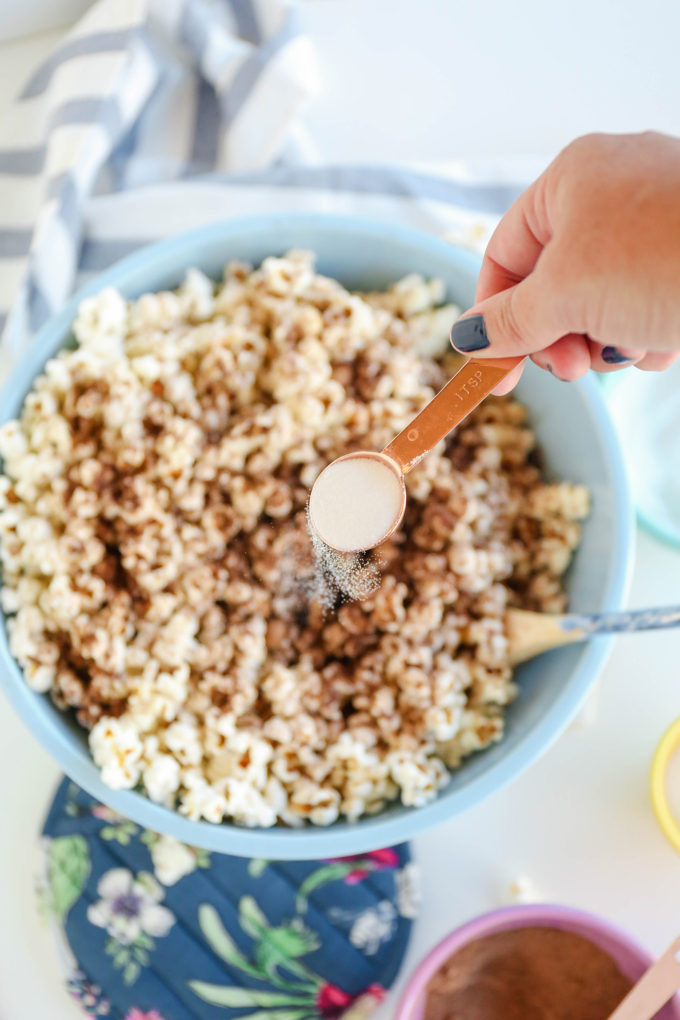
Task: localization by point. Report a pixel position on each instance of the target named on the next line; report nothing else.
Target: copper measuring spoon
(454, 402)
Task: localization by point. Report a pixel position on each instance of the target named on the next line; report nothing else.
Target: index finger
(516, 243)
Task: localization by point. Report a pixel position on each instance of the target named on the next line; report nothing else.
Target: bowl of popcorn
(169, 635)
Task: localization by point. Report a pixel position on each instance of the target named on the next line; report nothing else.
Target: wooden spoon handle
(454, 402)
(654, 988)
(530, 634)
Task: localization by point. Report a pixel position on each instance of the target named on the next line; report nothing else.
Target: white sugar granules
(355, 575)
(355, 503)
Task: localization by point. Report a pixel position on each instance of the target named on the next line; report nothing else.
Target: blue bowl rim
(342, 838)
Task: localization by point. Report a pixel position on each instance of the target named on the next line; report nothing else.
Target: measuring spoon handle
(454, 402)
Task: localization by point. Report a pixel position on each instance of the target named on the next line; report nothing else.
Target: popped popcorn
(162, 778)
(521, 890)
(157, 572)
(117, 749)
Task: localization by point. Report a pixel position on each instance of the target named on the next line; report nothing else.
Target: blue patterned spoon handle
(622, 622)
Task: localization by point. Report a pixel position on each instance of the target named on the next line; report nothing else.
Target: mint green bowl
(645, 407)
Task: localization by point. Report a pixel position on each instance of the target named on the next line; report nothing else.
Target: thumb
(521, 320)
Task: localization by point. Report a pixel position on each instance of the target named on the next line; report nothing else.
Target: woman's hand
(583, 271)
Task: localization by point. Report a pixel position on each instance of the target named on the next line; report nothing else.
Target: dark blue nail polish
(469, 335)
(613, 356)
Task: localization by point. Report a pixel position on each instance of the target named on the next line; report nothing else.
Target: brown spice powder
(527, 974)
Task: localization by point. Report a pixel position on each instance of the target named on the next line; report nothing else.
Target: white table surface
(459, 79)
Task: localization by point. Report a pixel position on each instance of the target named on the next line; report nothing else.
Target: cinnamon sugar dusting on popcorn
(158, 575)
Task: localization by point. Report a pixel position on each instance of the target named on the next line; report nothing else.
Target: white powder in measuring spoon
(354, 503)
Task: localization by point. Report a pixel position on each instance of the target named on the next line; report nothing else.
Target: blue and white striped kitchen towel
(143, 94)
(139, 91)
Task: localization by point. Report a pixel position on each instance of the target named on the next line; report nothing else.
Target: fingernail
(550, 369)
(469, 334)
(613, 356)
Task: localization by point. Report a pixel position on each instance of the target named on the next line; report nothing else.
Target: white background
(439, 80)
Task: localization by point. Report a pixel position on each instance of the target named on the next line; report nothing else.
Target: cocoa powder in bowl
(531, 973)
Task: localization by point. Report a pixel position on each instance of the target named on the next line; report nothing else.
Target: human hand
(583, 271)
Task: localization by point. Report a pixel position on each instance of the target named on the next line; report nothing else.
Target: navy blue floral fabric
(157, 930)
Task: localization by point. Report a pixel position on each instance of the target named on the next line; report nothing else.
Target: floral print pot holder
(156, 930)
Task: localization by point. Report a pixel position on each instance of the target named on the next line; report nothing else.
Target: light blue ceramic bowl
(578, 443)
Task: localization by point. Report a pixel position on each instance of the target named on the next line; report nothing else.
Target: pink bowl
(632, 960)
